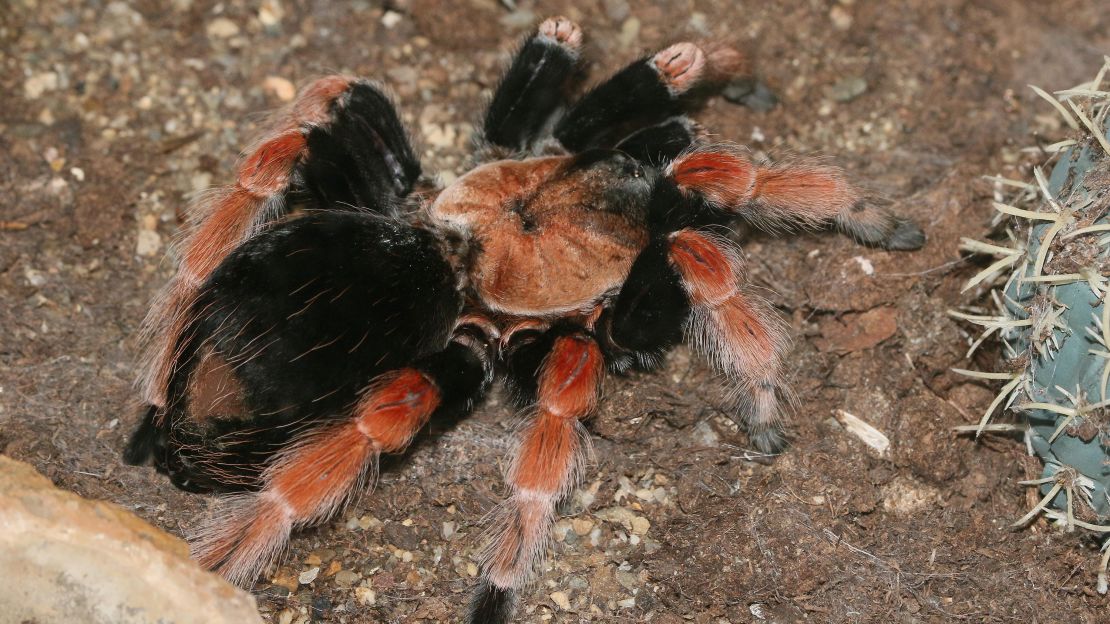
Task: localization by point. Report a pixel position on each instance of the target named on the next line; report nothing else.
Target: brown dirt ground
(115, 113)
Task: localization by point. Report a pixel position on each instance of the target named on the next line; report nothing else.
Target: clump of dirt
(118, 113)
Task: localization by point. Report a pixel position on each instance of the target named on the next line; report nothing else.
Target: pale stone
(222, 28)
(582, 526)
(38, 84)
(365, 596)
(279, 87)
(391, 19)
(561, 599)
(308, 575)
(148, 243)
(85, 562)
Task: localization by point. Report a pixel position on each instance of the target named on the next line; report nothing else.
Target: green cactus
(1054, 322)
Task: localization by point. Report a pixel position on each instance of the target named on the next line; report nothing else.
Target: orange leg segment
(789, 194)
(738, 332)
(547, 461)
(315, 476)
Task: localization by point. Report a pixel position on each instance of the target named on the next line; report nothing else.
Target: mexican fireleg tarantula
(324, 310)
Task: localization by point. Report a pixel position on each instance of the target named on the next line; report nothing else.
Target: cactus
(1053, 319)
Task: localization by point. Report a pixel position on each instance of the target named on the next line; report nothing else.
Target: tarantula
(333, 300)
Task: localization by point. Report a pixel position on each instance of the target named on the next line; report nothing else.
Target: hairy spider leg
(689, 284)
(646, 92)
(324, 468)
(283, 158)
(287, 331)
(545, 469)
(739, 333)
(533, 89)
(363, 158)
(784, 195)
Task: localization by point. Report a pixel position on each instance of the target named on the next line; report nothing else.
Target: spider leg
(691, 281)
(340, 140)
(649, 314)
(646, 92)
(325, 467)
(544, 471)
(725, 181)
(287, 331)
(660, 144)
(363, 158)
(532, 90)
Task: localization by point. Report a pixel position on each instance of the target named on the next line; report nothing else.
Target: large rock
(75, 561)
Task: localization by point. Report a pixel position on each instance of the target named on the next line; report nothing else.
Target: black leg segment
(534, 87)
(363, 158)
(650, 313)
(647, 92)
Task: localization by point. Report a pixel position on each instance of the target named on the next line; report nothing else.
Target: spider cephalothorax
(324, 310)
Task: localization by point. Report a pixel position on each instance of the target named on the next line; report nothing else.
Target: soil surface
(116, 114)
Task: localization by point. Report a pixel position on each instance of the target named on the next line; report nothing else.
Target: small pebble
(847, 89)
(34, 278)
(841, 18)
(365, 596)
(391, 19)
(582, 526)
(561, 599)
(221, 28)
(270, 13)
(201, 181)
(279, 87)
(285, 579)
(309, 575)
(346, 578)
(38, 84)
(148, 243)
(640, 525)
(750, 93)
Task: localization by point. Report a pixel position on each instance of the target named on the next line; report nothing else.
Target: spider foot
(680, 66)
(906, 236)
(562, 31)
(769, 441)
